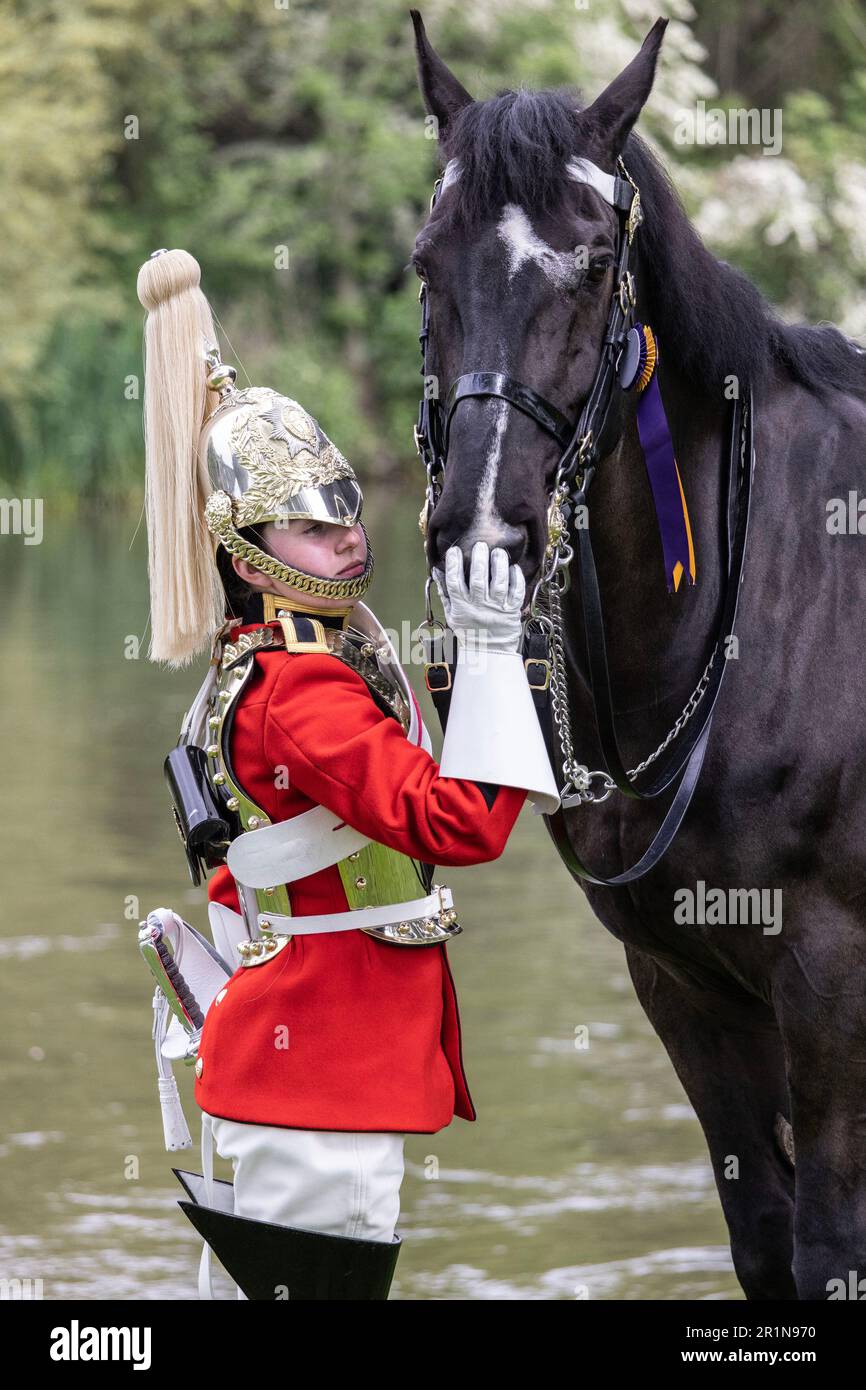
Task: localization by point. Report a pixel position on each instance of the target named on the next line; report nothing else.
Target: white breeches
(340, 1182)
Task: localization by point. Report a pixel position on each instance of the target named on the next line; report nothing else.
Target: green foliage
(252, 130)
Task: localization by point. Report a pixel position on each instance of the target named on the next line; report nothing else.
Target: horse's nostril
(517, 550)
(514, 547)
(442, 534)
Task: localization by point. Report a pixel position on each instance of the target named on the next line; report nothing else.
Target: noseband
(584, 446)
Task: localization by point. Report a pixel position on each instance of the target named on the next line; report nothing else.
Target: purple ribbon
(658, 449)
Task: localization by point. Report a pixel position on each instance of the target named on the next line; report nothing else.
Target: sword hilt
(169, 976)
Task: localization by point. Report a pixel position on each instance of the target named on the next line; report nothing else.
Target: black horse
(765, 1024)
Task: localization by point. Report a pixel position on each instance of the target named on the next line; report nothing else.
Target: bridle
(585, 446)
(585, 443)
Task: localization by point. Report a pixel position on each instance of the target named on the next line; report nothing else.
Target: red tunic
(341, 1031)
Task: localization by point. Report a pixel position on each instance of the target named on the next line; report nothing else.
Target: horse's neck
(658, 642)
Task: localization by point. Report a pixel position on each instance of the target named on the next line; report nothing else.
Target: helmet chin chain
(307, 583)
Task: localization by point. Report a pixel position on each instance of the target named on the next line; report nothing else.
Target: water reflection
(585, 1174)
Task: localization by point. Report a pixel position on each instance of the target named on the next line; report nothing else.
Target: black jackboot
(271, 1262)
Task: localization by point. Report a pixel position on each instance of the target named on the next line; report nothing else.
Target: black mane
(512, 148)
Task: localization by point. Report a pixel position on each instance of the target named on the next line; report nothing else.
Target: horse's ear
(612, 115)
(443, 95)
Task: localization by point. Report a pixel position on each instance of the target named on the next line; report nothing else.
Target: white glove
(488, 614)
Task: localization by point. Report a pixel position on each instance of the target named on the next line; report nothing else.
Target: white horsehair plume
(186, 596)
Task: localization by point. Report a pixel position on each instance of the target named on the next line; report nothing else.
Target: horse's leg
(820, 998)
(730, 1061)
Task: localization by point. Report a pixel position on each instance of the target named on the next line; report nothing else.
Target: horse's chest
(711, 909)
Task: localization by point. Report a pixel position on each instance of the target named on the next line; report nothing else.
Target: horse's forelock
(513, 148)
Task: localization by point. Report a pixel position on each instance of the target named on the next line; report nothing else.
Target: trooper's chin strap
(316, 585)
(331, 588)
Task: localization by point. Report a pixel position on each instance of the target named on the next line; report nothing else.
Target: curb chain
(578, 786)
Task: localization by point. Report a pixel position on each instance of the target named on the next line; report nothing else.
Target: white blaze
(487, 524)
(522, 245)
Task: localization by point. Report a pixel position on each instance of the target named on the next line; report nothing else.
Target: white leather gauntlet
(487, 613)
(493, 734)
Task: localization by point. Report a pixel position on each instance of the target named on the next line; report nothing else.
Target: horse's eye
(597, 271)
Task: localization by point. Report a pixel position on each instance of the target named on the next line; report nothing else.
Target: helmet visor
(338, 502)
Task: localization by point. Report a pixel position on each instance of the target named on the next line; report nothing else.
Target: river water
(585, 1174)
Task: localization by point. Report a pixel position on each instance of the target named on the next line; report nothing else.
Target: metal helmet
(269, 460)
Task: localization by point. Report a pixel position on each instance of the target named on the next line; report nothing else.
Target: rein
(584, 447)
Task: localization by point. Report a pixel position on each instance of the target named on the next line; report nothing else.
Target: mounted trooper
(322, 1020)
